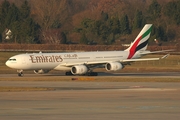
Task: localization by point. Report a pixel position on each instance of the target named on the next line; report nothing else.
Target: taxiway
(79, 100)
(106, 74)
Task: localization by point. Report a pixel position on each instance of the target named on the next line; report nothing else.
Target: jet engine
(114, 66)
(79, 69)
(41, 71)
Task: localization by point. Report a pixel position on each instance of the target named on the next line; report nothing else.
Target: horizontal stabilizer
(149, 52)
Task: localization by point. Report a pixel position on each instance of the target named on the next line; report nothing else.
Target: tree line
(17, 19)
(18, 25)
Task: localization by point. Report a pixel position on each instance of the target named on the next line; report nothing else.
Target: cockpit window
(12, 59)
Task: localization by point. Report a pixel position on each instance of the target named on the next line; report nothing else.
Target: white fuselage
(60, 61)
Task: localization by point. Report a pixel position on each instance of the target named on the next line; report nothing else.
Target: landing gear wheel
(68, 73)
(20, 74)
(93, 74)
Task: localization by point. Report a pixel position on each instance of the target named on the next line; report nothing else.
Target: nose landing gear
(20, 73)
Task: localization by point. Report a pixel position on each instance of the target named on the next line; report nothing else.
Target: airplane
(83, 63)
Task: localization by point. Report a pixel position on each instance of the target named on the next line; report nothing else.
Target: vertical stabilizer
(141, 41)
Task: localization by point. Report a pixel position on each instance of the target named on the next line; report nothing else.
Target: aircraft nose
(7, 63)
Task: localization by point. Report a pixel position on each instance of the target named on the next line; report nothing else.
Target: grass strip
(22, 89)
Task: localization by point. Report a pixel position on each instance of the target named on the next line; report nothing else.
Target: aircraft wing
(85, 63)
(104, 62)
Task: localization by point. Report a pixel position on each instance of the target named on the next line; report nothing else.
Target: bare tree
(53, 36)
(49, 12)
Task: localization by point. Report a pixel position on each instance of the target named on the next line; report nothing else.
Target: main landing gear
(20, 73)
(87, 74)
(92, 74)
(68, 73)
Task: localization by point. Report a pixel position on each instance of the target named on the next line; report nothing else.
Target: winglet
(165, 56)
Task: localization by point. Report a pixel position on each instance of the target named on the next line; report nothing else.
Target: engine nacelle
(41, 71)
(79, 70)
(114, 66)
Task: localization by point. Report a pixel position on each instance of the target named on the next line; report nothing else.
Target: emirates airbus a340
(83, 63)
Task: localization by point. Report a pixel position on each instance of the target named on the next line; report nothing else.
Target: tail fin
(141, 41)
